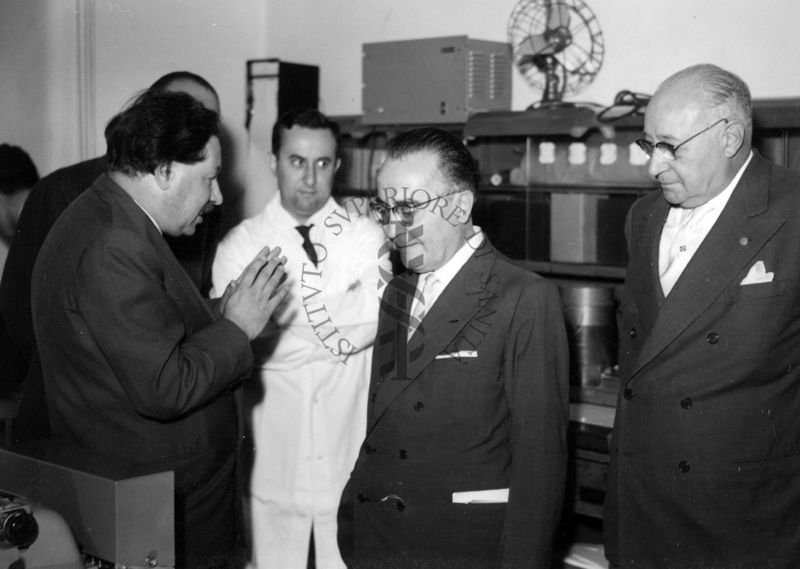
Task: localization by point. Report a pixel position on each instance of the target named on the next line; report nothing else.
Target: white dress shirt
(684, 231)
(444, 274)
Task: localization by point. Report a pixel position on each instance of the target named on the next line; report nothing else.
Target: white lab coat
(314, 369)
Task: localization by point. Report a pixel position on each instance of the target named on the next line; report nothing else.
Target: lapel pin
(743, 241)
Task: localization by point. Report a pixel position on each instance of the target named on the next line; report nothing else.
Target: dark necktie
(308, 246)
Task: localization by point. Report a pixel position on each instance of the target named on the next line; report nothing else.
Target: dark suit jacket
(438, 425)
(706, 448)
(135, 363)
(18, 358)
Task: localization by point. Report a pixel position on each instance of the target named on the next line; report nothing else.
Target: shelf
(573, 121)
(576, 120)
(589, 414)
(599, 188)
(773, 114)
(573, 269)
(779, 113)
(352, 126)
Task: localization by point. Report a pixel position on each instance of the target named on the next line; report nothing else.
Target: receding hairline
(711, 86)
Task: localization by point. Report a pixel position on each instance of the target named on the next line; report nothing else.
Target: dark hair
(306, 118)
(163, 83)
(455, 161)
(17, 170)
(159, 128)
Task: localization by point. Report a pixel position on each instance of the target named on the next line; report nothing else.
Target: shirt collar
(718, 202)
(448, 271)
(147, 213)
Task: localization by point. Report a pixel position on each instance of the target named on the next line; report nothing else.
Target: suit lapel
(644, 261)
(399, 363)
(729, 248)
(456, 306)
(193, 302)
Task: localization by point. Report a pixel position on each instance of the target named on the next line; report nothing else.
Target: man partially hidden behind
(308, 415)
(47, 200)
(464, 461)
(705, 456)
(137, 364)
(18, 174)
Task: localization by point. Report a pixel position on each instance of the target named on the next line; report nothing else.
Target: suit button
(400, 505)
(362, 498)
(419, 406)
(684, 466)
(687, 402)
(632, 332)
(369, 449)
(627, 393)
(712, 338)
(373, 396)
(402, 453)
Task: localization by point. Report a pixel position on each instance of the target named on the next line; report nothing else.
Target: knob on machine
(18, 527)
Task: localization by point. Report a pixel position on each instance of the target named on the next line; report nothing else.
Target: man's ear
(465, 201)
(338, 163)
(734, 137)
(462, 207)
(273, 163)
(163, 175)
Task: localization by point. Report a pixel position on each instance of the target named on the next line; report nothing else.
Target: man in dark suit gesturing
(137, 365)
(464, 460)
(47, 200)
(706, 446)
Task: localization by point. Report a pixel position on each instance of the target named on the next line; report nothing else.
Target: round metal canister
(590, 315)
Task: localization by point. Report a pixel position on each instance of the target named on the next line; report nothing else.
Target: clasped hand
(250, 300)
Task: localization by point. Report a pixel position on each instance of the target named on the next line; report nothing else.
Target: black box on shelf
(517, 222)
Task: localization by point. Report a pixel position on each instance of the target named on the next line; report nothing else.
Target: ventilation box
(434, 80)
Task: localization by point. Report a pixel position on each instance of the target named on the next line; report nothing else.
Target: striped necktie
(423, 302)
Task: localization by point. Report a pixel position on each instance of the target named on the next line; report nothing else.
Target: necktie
(422, 303)
(308, 247)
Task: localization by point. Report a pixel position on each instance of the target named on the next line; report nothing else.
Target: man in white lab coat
(309, 419)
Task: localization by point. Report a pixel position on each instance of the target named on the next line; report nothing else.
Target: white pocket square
(497, 496)
(757, 274)
(458, 355)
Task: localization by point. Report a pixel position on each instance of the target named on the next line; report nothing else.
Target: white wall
(124, 46)
(46, 56)
(645, 40)
(137, 41)
(37, 50)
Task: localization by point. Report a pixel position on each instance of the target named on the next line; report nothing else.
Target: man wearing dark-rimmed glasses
(705, 454)
(464, 460)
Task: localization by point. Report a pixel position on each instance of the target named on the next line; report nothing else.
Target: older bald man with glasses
(705, 454)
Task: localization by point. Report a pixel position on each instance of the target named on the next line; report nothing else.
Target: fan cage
(578, 63)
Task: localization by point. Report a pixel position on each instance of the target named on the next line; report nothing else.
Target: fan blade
(557, 16)
(534, 44)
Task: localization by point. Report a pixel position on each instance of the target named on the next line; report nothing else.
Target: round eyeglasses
(666, 149)
(382, 212)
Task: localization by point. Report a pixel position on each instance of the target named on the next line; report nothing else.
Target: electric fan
(556, 45)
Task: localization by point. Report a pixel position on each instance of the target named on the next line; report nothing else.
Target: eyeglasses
(382, 211)
(666, 149)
